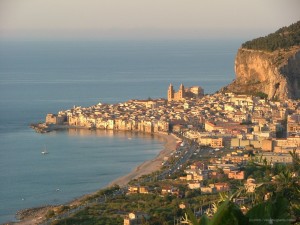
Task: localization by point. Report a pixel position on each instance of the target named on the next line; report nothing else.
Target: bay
(37, 78)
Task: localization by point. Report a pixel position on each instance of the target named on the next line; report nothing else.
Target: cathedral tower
(181, 92)
(170, 93)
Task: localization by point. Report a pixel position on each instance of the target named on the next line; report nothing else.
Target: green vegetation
(50, 213)
(276, 199)
(282, 207)
(283, 38)
(273, 211)
(101, 193)
(83, 218)
(262, 95)
(259, 94)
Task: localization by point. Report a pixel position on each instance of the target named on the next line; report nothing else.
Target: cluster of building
(148, 116)
(227, 166)
(220, 170)
(237, 122)
(219, 120)
(134, 115)
(251, 123)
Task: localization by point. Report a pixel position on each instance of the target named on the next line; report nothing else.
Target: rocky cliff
(276, 73)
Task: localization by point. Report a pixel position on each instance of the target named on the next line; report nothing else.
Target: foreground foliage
(280, 183)
(283, 208)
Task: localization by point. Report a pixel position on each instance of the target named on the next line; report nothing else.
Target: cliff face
(276, 74)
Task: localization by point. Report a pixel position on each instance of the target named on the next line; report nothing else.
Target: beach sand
(147, 167)
(150, 166)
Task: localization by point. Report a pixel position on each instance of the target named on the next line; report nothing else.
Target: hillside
(269, 66)
(283, 38)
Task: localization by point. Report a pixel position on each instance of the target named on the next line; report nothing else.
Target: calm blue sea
(41, 77)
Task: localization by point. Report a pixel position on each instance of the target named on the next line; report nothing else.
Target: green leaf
(270, 212)
(229, 214)
(191, 217)
(204, 220)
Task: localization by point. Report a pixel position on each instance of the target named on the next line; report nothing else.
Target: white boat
(44, 152)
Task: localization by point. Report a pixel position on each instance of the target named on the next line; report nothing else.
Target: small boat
(44, 152)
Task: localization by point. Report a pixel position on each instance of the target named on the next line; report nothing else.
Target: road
(185, 154)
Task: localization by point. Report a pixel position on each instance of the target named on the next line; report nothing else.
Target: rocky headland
(269, 66)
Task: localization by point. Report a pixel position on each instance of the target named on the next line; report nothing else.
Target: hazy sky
(144, 18)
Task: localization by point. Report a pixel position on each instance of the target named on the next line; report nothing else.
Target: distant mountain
(269, 66)
(283, 38)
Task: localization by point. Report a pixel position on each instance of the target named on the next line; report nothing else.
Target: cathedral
(184, 93)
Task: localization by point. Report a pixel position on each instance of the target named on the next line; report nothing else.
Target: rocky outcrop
(277, 73)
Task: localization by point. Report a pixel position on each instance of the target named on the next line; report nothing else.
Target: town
(223, 137)
(219, 120)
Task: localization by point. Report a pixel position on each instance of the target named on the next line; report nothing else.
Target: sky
(139, 19)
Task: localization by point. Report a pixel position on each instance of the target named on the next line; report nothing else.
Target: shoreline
(34, 216)
(151, 165)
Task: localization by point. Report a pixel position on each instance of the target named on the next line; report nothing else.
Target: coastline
(37, 215)
(152, 165)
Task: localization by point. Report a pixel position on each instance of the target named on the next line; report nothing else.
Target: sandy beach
(150, 166)
(147, 167)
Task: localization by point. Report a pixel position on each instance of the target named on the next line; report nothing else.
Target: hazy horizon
(143, 19)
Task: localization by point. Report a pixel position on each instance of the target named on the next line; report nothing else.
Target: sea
(40, 77)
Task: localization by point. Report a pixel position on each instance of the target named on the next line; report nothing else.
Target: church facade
(184, 93)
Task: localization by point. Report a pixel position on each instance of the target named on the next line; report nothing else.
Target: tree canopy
(283, 38)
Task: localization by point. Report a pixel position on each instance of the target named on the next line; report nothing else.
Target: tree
(270, 212)
(284, 38)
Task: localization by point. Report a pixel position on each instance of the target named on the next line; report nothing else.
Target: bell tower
(170, 93)
(181, 92)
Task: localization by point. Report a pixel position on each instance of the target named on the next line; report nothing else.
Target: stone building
(236, 175)
(267, 145)
(136, 218)
(55, 119)
(184, 93)
(293, 125)
(250, 185)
